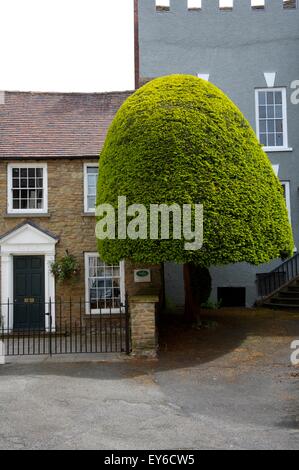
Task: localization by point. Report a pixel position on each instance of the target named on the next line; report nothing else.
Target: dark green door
(29, 292)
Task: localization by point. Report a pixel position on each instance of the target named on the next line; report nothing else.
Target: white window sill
(105, 311)
(89, 214)
(277, 149)
(27, 214)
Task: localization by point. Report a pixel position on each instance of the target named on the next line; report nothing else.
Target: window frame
(10, 209)
(103, 311)
(88, 165)
(286, 185)
(284, 118)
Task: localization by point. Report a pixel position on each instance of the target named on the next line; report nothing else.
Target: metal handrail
(281, 275)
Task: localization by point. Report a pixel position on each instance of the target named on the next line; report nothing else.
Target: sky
(66, 45)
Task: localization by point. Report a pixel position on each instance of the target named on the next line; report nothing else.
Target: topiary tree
(179, 139)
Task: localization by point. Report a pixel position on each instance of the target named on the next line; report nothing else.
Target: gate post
(2, 352)
(50, 325)
(143, 325)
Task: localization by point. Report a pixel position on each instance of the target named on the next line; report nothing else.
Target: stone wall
(142, 310)
(66, 219)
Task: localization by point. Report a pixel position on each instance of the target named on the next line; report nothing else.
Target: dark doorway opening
(232, 296)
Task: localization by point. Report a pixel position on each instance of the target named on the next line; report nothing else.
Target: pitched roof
(41, 125)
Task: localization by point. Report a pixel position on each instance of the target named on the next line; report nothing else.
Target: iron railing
(64, 327)
(268, 283)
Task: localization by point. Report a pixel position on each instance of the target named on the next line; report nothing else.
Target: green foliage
(179, 139)
(65, 268)
(210, 305)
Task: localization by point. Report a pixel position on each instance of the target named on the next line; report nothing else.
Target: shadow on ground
(231, 338)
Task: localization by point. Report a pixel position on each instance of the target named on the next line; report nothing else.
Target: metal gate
(65, 328)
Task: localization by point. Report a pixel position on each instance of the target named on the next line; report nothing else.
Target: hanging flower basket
(65, 268)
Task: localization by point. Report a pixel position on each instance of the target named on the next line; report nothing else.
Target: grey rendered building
(251, 51)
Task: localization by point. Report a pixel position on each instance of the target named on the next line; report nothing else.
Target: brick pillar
(142, 310)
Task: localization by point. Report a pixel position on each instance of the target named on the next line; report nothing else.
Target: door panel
(29, 292)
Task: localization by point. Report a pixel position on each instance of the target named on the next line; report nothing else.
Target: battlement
(201, 6)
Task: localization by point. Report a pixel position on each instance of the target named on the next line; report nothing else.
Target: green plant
(209, 304)
(65, 268)
(180, 139)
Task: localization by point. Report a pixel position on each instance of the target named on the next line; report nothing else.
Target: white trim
(204, 76)
(286, 184)
(10, 209)
(276, 168)
(86, 275)
(26, 241)
(285, 146)
(87, 165)
(270, 79)
(278, 149)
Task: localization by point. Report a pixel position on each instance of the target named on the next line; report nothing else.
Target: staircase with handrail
(280, 287)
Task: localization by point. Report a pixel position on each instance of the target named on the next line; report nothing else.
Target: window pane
(24, 183)
(31, 172)
(15, 183)
(263, 126)
(262, 111)
(91, 202)
(278, 111)
(278, 125)
(262, 98)
(270, 111)
(271, 140)
(31, 183)
(270, 97)
(15, 172)
(270, 125)
(279, 140)
(263, 139)
(92, 170)
(32, 203)
(24, 172)
(278, 97)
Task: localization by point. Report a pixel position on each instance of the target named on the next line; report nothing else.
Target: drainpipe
(136, 44)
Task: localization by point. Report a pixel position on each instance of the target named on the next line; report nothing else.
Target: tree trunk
(192, 304)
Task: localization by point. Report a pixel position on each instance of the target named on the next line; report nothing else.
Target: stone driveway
(228, 385)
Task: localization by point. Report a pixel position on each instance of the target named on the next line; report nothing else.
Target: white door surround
(25, 239)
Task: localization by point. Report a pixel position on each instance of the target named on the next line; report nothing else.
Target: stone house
(49, 150)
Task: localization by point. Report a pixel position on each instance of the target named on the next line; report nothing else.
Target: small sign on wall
(142, 275)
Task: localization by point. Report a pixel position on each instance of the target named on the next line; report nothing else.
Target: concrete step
(289, 293)
(293, 288)
(279, 306)
(285, 301)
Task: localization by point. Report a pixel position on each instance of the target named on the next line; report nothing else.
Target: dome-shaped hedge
(179, 139)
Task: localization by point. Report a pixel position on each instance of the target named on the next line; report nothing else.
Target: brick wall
(67, 220)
